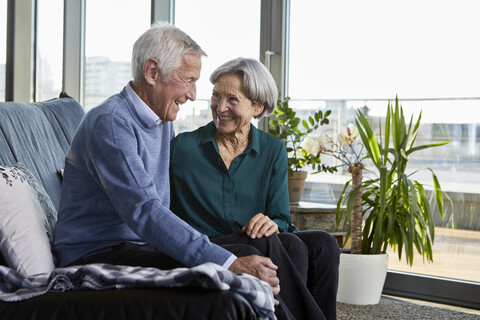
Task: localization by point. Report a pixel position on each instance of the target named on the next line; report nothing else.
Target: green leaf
(368, 138)
(294, 122)
(414, 132)
(426, 146)
(387, 136)
(438, 193)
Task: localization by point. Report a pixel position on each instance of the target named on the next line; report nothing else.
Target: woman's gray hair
(258, 82)
(166, 43)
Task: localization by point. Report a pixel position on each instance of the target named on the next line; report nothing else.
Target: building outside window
(112, 26)
(348, 55)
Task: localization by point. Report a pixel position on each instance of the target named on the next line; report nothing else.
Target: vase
(296, 183)
(361, 278)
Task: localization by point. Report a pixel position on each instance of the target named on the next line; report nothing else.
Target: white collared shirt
(141, 107)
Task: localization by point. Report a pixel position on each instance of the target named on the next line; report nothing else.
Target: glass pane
(377, 49)
(3, 45)
(49, 49)
(112, 26)
(222, 40)
(365, 53)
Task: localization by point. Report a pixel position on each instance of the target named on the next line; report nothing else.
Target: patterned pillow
(27, 219)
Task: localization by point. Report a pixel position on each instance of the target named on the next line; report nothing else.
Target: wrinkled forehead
(229, 84)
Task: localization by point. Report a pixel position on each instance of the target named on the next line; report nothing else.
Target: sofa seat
(128, 304)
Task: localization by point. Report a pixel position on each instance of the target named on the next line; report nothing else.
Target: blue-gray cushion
(38, 135)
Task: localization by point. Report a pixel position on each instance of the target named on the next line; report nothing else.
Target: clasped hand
(260, 267)
(260, 225)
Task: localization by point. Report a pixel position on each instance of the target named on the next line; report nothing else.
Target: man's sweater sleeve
(123, 177)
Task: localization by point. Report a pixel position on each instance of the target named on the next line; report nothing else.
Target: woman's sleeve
(277, 206)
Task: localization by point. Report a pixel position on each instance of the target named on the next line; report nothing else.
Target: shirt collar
(144, 111)
(255, 142)
(209, 137)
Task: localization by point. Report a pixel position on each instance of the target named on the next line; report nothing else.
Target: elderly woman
(229, 179)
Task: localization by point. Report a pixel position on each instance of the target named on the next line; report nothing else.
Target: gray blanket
(16, 287)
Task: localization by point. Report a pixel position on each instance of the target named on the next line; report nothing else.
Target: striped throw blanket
(16, 287)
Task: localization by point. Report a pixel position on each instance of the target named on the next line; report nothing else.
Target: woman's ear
(259, 109)
(151, 71)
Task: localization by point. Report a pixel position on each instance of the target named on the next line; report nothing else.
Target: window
(3, 45)
(112, 26)
(222, 39)
(49, 49)
(343, 55)
(349, 54)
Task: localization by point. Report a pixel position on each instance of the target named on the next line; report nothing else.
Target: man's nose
(192, 92)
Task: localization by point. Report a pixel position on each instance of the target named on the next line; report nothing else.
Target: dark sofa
(38, 135)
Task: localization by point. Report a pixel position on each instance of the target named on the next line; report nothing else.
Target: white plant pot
(361, 278)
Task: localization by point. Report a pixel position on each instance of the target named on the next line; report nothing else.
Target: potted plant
(389, 208)
(301, 152)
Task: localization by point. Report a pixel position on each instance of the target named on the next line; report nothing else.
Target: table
(318, 216)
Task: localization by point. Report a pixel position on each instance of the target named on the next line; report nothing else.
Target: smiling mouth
(179, 103)
(225, 118)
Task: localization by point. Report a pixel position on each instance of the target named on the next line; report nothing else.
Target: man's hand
(260, 225)
(260, 267)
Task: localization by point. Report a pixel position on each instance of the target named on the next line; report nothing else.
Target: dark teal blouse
(217, 201)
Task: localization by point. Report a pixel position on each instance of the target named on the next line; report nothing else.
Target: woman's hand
(260, 225)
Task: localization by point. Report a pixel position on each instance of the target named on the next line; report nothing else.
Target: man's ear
(151, 71)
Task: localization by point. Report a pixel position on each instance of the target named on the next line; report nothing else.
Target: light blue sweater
(116, 189)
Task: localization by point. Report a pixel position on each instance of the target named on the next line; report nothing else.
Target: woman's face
(231, 109)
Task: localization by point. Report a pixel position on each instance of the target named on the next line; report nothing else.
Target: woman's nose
(222, 106)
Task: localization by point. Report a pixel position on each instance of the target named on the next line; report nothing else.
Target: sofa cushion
(38, 135)
(27, 219)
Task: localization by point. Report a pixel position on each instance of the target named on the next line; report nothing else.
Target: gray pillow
(27, 220)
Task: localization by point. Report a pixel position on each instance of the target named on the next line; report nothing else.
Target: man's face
(167, 97)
